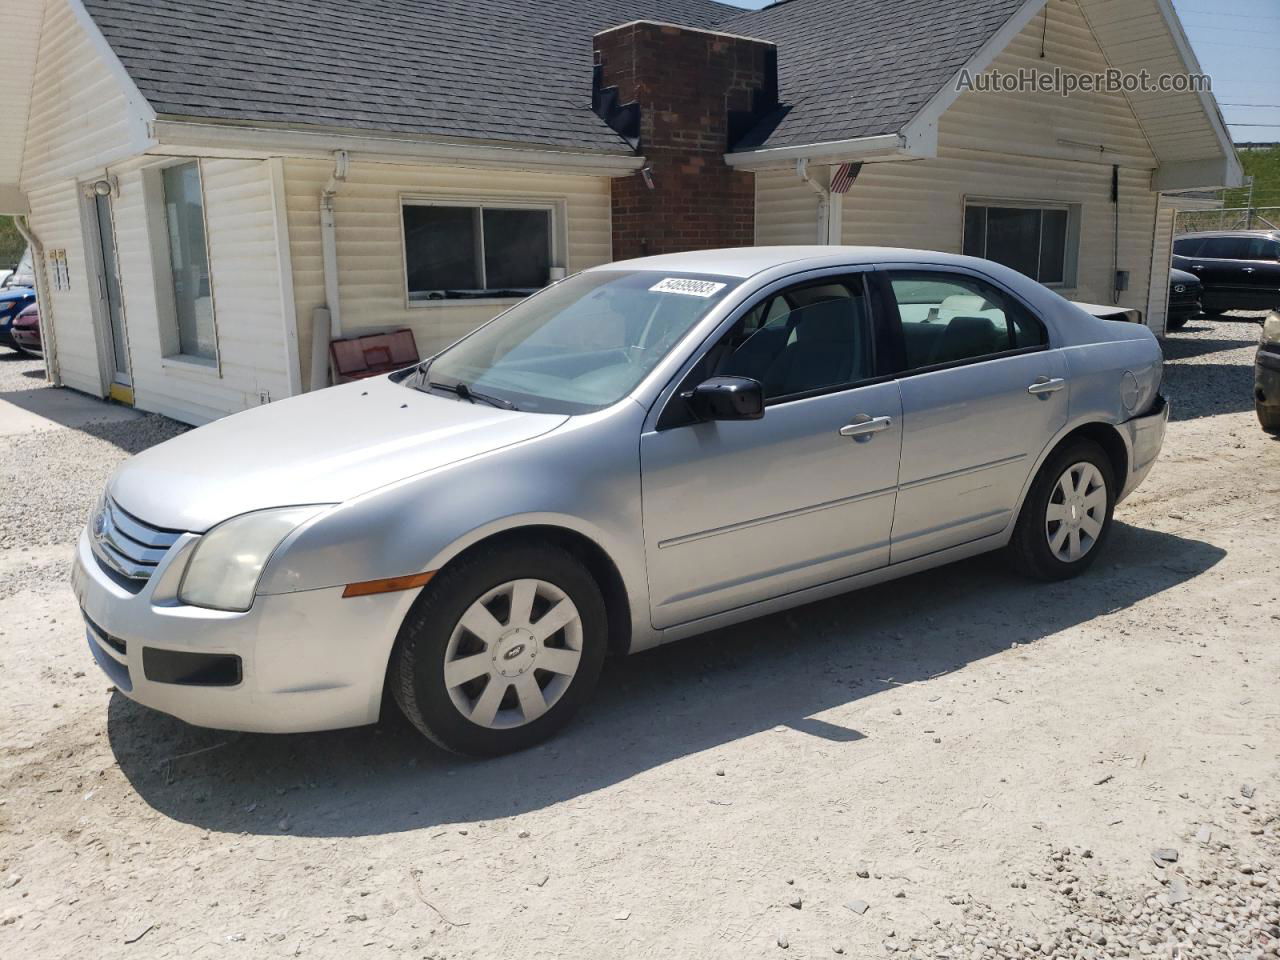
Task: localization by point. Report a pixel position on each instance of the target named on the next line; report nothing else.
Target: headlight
(226, 564)
(1271, 329)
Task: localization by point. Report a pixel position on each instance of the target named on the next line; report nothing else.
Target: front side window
(467, 251)
(1038, 242)
(189, 260)
(580, 345)
(804, 339)
(1225, 248)
(949, 318)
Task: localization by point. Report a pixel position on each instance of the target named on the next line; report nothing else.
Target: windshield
(581, 344)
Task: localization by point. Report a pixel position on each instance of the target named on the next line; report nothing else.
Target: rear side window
(948, 318)
(1225, 248)
(1260, 248)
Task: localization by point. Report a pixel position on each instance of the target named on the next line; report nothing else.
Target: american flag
(843, 177)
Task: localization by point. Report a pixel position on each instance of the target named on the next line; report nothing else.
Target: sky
(1238, 44)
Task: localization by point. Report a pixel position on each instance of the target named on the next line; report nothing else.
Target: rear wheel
(1067, 513)
(501, 649)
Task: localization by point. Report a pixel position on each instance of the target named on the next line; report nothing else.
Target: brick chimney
(682, 97)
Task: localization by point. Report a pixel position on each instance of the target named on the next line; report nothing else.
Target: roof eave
(183, 136)
(886, 146)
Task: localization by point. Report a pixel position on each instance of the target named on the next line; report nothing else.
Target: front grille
(127, 546)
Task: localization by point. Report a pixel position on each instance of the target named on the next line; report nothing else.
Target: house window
(463, 251)
(183, 200)
(1039, 240)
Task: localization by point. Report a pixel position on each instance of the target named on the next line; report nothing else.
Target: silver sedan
(644, 451)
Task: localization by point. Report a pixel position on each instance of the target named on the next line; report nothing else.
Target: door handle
(1197, 266)
(864, 426)
(1248, 269)
(1046, 385)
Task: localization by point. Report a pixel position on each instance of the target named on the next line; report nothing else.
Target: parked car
(1185, 291)
(644, 451)
(13, 301)
(1114, 312)
(26, 330)
(1240, 269)
(1266, 375)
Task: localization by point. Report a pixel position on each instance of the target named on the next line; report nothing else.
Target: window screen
(189, 260)
(1032, 240)
(461, 252)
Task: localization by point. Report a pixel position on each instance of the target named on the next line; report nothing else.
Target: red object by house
(356, 358)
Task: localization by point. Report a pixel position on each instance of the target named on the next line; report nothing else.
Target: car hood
(14, 294)
(323, 447)
(1182, 276)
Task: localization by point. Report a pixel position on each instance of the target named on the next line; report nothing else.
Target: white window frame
(1071, 251)
(555, 207)
(171, 354)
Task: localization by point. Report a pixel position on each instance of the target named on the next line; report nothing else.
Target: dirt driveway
(959, 764)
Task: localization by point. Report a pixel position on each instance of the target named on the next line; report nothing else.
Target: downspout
(329, 241)
(824, 200)
(326, 321)
(48, 342)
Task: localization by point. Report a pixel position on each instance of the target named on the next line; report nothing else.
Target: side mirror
(727, 398)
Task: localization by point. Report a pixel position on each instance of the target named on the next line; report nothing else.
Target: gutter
(48, 342)
(887, 146)
(188, 138)
(824, 200)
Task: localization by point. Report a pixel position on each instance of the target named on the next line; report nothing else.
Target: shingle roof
(858, 68)
(501, 70)
(520, 70)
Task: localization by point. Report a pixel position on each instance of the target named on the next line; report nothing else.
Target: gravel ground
(59, 474)
(960, 764)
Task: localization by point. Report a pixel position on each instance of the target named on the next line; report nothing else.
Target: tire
(1175, 323)
(488, 589)
(1033, 553)
(1268, 416)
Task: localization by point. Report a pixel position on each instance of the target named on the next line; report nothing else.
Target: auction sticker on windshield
(690, 288)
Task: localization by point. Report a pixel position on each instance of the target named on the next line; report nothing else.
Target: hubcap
(1076, 512)
(513, 654)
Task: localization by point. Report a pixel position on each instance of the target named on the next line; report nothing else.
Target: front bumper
(305, 661)
(1146, 436)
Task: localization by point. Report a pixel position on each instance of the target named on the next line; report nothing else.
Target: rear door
(982, 393)
(1262, 274)
(1219, 262)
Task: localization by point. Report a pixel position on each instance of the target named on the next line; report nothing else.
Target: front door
(981, 394)
(742, 511)
(110, 302)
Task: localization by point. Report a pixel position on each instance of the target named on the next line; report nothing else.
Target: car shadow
(649, 709)
(1207, 389)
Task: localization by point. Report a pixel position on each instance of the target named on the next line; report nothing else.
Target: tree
(11, 243)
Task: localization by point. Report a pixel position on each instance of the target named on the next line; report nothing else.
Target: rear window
(1226, 248)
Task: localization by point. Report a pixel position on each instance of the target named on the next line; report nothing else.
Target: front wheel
(1176, 323)
(500, 649)
(1067, 513)
(1268, 416)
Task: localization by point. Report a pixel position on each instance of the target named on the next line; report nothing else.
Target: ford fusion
(644, 451)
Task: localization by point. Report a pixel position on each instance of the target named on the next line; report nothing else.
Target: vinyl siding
(1161, 260)
(81, 119)
(1003, 146)
(244, 275)
(370, 253)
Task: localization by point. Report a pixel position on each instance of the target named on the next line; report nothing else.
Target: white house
(199, 178)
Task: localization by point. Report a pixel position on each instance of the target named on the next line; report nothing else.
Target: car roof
(1268, 234)
(749, 261)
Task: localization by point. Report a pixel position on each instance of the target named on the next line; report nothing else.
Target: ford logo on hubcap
(514, 652)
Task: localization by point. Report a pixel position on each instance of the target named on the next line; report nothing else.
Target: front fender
(583, 477)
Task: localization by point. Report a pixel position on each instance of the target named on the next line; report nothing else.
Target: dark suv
(1240, 269)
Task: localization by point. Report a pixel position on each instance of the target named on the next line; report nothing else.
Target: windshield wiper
(463, 392)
